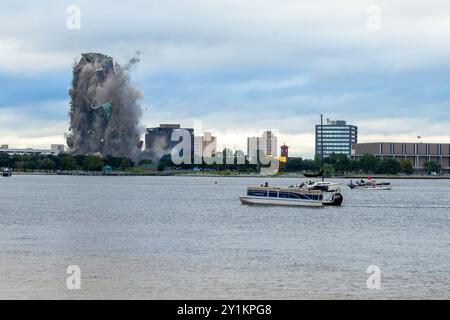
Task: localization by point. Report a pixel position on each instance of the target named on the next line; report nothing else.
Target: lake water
(189, 238)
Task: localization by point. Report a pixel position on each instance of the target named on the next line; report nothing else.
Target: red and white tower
(284, 150)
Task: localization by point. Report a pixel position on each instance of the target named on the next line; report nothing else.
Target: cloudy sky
(237, 66)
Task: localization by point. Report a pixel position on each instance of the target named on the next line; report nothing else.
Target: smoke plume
(104, 109)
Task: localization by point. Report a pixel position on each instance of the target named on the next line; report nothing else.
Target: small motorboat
(370, 184)
(323, 185)
(291, 196)
(7, 172)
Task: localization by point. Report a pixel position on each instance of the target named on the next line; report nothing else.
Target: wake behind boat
(291, 196)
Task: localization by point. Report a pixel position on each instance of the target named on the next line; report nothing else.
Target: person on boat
(266, 185)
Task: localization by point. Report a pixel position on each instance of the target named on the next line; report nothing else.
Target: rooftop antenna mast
(321, 144)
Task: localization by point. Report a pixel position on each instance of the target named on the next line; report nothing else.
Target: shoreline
(243, 175)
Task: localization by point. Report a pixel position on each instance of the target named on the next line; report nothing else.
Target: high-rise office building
(159, 140)
(338, 138)
(267, 144)
(205, 146)
(252, 148)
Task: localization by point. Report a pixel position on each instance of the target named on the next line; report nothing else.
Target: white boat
(324, 186)
(370, 185)
(291, 196)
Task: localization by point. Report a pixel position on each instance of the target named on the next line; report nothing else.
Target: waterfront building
(284, 156)
(149, 167)
(416, 153)
(206, 142)
(284, 151)
(338, 137)
(252, 148)
(267, 144)
(54, 150)
(159, 142)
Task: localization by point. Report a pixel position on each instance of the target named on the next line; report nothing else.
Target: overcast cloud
(236, 66)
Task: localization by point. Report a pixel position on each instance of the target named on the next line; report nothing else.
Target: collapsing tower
(104, 109)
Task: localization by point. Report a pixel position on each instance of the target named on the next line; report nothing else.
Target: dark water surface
(187, 237)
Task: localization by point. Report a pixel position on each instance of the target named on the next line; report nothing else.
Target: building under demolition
(104, 109)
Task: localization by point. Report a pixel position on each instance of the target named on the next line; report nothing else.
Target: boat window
(303, 197)
(257, 193)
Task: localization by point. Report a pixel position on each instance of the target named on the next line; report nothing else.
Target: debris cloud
(104, 108)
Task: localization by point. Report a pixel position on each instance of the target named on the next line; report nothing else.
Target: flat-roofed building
(252, 148)
(338, 137)
(159, 142)
(267, 144)
(54, 150)
(205, 146)
(417, 153)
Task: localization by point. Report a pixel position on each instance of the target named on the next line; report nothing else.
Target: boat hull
(279, 202)
(377, 188)
(371, 187)
(335, 200)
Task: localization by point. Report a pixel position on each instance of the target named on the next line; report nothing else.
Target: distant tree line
(226, 160)
(368, 164)
(68, 162)
(232, 161)
(63, 161)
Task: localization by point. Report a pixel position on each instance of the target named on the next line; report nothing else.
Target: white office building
(267, 144)
(205, 146)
